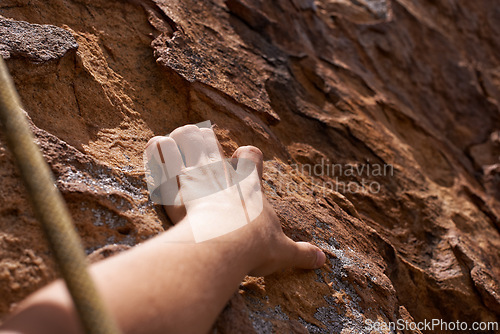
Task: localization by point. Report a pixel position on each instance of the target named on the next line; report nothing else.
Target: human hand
(223, 200)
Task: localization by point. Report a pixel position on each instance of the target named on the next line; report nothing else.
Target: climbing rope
(51, 210)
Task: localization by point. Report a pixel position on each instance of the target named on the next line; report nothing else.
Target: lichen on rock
(35, 42)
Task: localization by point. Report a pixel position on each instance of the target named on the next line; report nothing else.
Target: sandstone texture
(409, 86)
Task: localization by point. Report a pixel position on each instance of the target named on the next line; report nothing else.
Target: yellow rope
(51, 210)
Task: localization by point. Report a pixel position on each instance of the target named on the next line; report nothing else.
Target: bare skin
(171, 284)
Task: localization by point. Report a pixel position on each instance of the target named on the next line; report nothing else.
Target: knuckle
(184, 130)
(253, 150)
(206, 130)
(153, 140)
(167, 141)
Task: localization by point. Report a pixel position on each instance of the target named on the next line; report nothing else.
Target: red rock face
(379, 121)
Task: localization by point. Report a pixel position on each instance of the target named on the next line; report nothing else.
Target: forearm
(183, 285)
(167, 285)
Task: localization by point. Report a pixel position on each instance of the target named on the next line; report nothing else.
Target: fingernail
(320, 258)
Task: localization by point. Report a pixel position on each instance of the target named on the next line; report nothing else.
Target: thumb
(306, 256)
